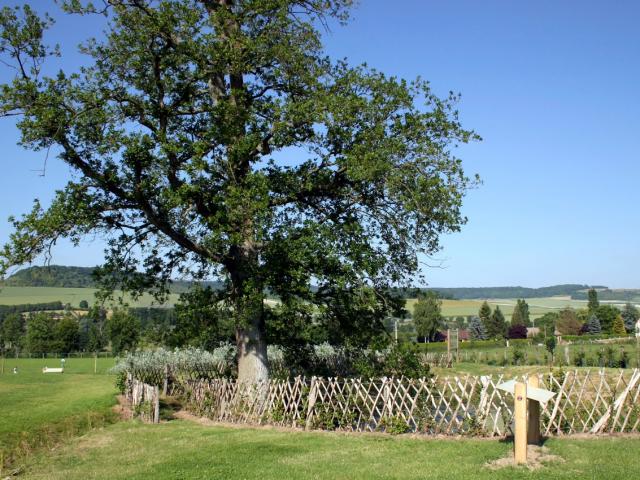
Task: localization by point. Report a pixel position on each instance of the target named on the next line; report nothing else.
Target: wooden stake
(533, 428)
(520, 418)
(95, 363)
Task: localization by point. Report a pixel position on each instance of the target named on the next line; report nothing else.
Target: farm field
(537, 306)
(73, 296)
(450, 308)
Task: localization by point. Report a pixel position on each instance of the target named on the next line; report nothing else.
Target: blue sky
(551, 86)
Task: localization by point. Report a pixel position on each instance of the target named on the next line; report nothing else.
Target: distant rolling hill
(60, 276)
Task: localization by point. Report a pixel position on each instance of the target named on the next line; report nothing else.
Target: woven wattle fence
(144, 400)
(585, 402)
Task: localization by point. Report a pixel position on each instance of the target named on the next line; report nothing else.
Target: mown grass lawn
(181, 449)
(39, 409)
(63, 411)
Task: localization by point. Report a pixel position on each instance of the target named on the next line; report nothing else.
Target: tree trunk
(247, 295)
(253, 366)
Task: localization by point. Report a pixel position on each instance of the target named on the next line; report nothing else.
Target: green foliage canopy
(607, 314)
(593, 326)
(123, 331)
(216, 139)
(427, 316)
(496, 325)
(630, 316)
(568, 322)
(477, 330)
(593, 302)
(520, 315)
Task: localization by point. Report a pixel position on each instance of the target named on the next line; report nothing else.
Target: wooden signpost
(527, 399)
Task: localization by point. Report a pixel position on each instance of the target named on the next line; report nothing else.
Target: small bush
(394, 425)
(518, 356)
(580, 358)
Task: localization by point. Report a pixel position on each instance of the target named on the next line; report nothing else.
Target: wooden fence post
(520, 418)
(533, 429)
(165, 382)
(156, 405)
(311, 403)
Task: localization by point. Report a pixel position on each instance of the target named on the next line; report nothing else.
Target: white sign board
(538, 394)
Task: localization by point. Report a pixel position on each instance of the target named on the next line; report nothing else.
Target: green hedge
(474, 344)
(601, 336)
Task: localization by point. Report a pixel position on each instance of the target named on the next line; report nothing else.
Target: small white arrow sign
(538, 394)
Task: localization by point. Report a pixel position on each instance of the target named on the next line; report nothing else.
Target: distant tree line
(197, 320)
(593, 320)
(29, 307)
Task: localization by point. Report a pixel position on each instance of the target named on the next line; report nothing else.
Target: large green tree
(477, 330)
(593, 302)
(39, 337)
(427, 315)
(66, 334)
(520, 315)
(496, 325)
(568, 322)
(607, 314)
(630, 316)
(484, 313)
(13, 328)
(123, 331)
(214, 138)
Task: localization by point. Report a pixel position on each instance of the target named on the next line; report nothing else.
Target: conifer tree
(618, 326)
(477, 330)
(485, 313)
(630, 316)
(593, 301)
(520, 314)
(497, 325)
(593, 326)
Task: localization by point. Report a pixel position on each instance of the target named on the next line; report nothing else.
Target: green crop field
(73, 296)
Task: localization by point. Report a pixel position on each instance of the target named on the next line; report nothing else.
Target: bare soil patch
(537, 457)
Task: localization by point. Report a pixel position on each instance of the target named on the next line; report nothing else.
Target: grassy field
(39, 410)
(181, 449)
(73, 296)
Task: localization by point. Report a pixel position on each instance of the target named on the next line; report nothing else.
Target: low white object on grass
(52, 370)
